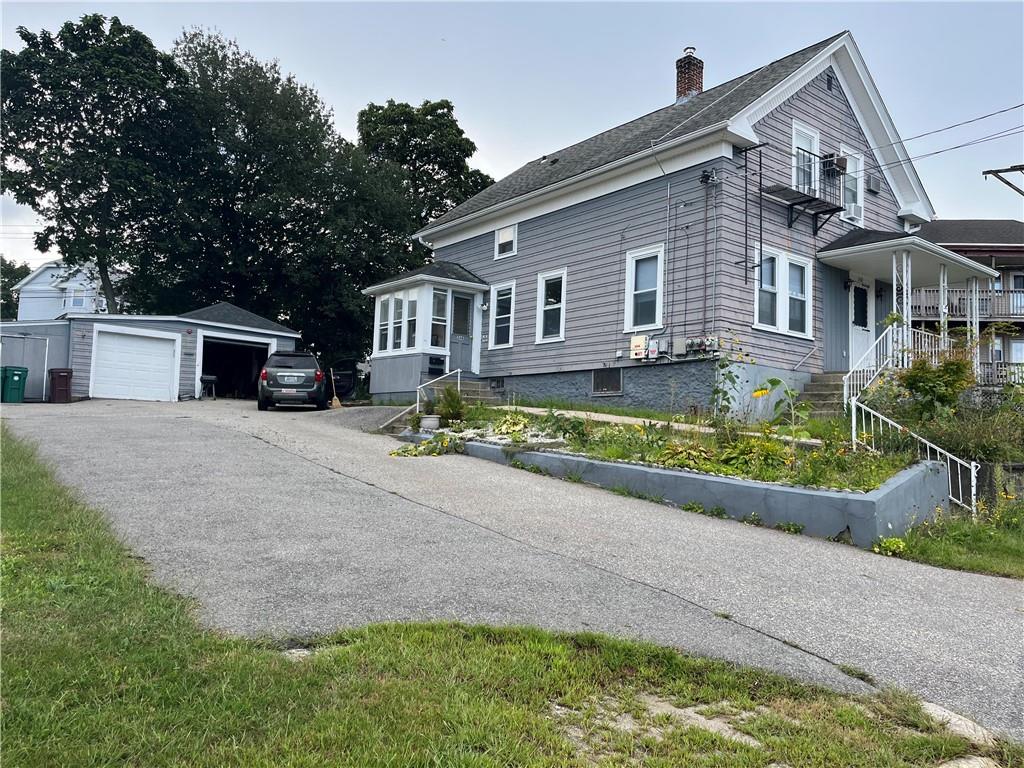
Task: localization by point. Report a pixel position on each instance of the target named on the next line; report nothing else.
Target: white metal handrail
(457, 373)
(896, 347)
(872, 430)
(865, 371)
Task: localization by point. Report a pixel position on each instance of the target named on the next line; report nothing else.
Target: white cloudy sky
(530, 78)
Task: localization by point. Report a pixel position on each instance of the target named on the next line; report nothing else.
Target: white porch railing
(999, 374)
(457, 373)
(876, 432)
(926, 303)
(872, 363)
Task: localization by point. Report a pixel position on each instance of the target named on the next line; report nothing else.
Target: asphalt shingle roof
(224, 312)
(446, 270)
(862, 237)
(1008, 231)
(676, 120)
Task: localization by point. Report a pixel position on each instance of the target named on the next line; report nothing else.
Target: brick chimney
(689, 75)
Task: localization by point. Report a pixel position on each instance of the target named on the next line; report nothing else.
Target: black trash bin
(60, 385)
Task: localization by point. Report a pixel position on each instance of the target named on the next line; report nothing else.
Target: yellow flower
(760, 392)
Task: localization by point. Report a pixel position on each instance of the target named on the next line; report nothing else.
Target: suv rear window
(300, 361)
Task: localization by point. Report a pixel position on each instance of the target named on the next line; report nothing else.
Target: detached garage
(143, 357)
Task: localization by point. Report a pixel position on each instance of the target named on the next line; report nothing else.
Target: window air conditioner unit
(855, 211)
(833, 164)
(873, 183)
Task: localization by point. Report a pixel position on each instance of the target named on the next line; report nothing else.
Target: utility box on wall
(639, 346)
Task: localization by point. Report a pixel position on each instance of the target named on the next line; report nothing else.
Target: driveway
(295, 523)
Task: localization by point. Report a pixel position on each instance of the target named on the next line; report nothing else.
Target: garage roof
(229, 314)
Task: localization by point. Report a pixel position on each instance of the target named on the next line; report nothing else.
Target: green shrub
(451, 406)
(438, 445)
(685, 455)
(937, 386)
(513, 425)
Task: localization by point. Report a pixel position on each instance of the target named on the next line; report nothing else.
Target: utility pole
(998, 174)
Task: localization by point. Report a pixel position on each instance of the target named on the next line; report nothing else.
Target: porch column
(943, 307)
(974, 322)
(901, 281)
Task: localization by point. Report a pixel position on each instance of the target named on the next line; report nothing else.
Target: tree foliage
(430, 146)
(87, 116)
(10, 274)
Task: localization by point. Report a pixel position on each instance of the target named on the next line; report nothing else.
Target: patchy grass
(993, 544)
(101, 667)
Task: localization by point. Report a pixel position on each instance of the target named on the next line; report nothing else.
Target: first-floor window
(385, 324)
(644, 270)
(783, 297)
(396, 325)
(439, 318)
(502, 311)
(551, 306)
(410, 323)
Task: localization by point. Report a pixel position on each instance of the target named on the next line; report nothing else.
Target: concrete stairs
(825, 394)
(474, 391)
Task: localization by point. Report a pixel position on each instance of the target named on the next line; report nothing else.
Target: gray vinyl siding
(399, 375)
(830, 113)
(35, 353)
(709, 280)
(591, 240)
(81, 348)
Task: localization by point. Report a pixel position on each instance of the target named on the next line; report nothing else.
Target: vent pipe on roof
(689, 75)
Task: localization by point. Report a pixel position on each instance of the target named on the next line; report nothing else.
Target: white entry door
(131, 366)
(862, 317)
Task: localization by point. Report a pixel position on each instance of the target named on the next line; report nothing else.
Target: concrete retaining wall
(908, 498)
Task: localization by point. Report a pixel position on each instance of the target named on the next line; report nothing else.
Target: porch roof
(869, 252)
(439, 272)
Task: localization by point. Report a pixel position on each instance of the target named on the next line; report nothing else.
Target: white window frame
(447, 318)
(493, 309)
(815, 135)
(631, 258)
(782, 261)
(845, 215)
(383, 322)
(542, 278)
(380, 322)
(515, 241)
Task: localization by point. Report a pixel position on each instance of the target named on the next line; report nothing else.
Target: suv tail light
(263, 375)
(318, 376)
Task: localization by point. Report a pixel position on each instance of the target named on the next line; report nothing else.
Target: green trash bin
(12, 388)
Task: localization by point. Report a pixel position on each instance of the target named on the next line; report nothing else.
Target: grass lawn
(101, 667)
(994, 546)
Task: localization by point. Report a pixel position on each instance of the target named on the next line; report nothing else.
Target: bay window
(396, 324)
(384, 324)
(783, 300)
(439, 319)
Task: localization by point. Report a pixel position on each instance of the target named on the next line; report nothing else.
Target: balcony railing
(1000, 374)
(815, 188)
(992, 305)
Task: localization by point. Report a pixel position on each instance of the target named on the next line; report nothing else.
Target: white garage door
(130, 367)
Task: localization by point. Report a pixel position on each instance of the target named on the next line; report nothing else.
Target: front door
(460, 345)
(862, 318)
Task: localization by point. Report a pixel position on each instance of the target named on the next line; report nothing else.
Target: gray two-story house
(766, 219)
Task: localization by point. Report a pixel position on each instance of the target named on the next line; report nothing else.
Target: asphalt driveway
(294, 523)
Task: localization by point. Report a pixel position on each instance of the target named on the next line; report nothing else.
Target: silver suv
(292, 378)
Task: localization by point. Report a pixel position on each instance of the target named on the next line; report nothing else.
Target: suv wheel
(321, 405)
(262, 404)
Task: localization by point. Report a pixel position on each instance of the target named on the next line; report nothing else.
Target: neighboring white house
(52, 290)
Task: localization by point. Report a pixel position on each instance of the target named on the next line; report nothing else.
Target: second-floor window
(783, 298)
(853, 187)
(805, 158)
(551, 306)
(505, 241)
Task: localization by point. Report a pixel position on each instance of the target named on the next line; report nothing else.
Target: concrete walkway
(289, 523)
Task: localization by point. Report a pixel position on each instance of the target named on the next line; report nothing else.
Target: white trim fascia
(628, 326)
(202, 335)
(493, 302)
(912, 241)
(1005, 246)
(405, 282)
(99, 328)
(177, 318)
(34, 274)
(539, 320)
(846, 61)
(8, 323)
(515, 241)
(674, 155)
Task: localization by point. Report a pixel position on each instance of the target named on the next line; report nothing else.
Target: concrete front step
(819, 386)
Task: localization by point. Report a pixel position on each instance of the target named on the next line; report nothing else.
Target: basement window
(607, 381)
